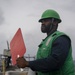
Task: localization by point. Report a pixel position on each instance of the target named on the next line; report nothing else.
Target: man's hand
(21, 62)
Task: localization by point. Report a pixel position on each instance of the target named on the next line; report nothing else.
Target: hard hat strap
(52, 20)
(52, 27)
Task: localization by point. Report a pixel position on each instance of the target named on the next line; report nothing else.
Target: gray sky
(25, 14)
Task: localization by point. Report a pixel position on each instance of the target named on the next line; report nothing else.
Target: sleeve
(55, 61)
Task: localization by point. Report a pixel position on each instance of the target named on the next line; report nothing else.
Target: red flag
(17, 46)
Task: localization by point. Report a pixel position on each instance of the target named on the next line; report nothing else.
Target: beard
(46, 28)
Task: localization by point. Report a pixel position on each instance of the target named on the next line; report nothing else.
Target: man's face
(45, 25)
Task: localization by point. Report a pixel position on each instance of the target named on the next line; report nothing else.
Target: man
(54, 56)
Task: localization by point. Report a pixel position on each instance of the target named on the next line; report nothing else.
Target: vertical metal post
(8, 45)
(3, 63)
(29, 56)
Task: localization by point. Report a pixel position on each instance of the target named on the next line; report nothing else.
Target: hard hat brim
(49, 18)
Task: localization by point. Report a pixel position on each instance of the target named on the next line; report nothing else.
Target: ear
(55, 22)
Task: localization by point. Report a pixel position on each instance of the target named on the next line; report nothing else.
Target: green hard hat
(50, 14)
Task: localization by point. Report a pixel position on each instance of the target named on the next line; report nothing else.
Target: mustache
(43, 25)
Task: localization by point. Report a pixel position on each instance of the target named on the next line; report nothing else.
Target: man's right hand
(21, 62)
